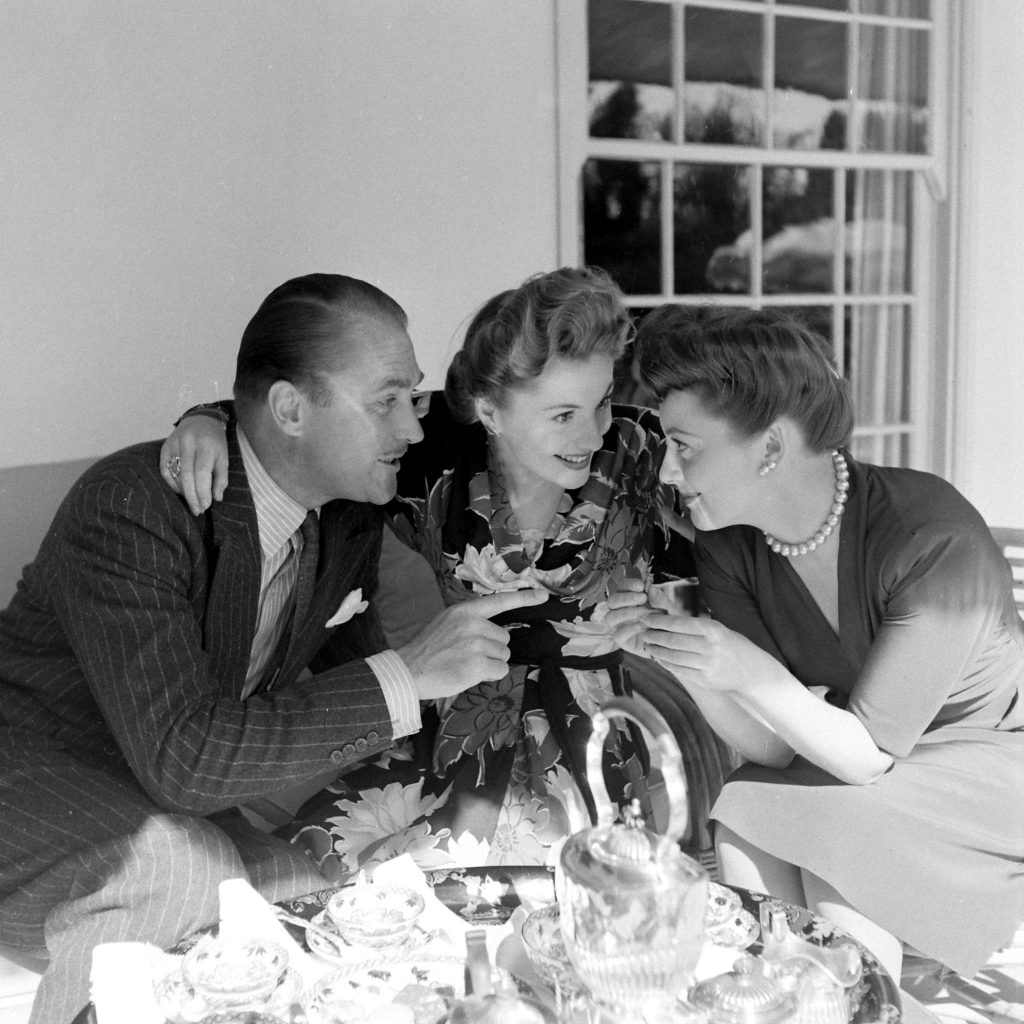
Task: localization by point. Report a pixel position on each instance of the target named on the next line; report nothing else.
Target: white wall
(164, 165)
(988, 436)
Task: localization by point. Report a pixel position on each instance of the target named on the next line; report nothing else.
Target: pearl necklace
(837, 509)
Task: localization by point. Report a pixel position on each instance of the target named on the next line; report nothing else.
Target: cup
(373, 915)
(545, 949)
(677, 596)
(230, 972)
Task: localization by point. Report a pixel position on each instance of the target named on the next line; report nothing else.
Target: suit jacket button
(349, 750)
(372, 738)
(360, 745)
(337, 757)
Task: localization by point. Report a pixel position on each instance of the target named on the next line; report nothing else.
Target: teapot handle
(670, 761)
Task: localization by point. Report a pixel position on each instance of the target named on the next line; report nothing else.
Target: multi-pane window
(762, 153)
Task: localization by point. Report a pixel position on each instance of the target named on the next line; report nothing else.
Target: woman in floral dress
(528, 476)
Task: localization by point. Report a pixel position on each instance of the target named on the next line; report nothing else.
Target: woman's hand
(627, 615)
(696, 649)
(709, 654)
(194, 461)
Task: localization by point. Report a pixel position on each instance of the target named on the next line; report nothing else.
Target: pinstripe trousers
(86, 857)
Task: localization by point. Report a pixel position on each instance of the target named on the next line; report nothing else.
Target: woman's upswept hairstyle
(294, 334)
(571, 313)
(750, 366)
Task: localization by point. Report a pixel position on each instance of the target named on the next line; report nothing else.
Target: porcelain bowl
(234, 972)
(375, 916)
(545, 949)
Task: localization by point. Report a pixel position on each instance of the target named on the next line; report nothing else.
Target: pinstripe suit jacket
(129, 637)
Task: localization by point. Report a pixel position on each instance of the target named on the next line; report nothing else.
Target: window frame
(930, 302)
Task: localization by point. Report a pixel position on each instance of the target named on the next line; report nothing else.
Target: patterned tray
(489, 896)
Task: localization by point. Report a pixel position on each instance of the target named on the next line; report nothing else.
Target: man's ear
(287, 408)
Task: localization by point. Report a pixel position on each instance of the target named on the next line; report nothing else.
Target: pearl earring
(767, 468)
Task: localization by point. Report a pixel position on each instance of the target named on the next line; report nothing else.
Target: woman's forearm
(830, 737)
(769, 722)
(740, 727)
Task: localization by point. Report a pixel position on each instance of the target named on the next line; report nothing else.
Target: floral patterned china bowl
(417, 990)
(545, 949)
(224, 980)
(375, 916)
(234, 972)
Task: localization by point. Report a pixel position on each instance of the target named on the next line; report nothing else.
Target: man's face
(351, 447)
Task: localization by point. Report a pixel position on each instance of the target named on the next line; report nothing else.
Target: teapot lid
(626, 854)
(743, 996)
(629, 843)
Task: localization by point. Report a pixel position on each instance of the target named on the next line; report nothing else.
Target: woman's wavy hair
(749, 366)
(298, 334)
(571, 313)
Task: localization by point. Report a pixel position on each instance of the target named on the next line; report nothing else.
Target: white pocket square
(352, 605)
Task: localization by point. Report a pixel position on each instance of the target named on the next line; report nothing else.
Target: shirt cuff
(211, 409)
(399, 692)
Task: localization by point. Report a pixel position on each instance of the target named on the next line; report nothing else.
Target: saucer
(737, 931)
(722, 904)
(345, 953)
(365, 986)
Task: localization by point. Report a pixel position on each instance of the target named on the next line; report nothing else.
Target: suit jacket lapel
(346, 532)
(347, 529)
(305, 581)
(234, 584)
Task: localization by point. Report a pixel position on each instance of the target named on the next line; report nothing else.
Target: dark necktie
(308, 558)
(305, 582)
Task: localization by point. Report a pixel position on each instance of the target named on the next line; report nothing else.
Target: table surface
(490, 895)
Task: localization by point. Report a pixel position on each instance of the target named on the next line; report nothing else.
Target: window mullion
(678, 78)
(756, 232)
(705, 152)
(768, 73)
(668, 254)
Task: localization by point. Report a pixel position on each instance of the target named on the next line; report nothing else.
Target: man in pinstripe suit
(159, 670)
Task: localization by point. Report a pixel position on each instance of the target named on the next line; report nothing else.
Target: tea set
(632, 917)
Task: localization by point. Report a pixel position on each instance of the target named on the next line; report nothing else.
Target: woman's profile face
(549, 429)
(713, 468)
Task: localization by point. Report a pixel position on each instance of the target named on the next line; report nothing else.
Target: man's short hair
(294, 334)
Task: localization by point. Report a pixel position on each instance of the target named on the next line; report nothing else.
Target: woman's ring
(174, 467)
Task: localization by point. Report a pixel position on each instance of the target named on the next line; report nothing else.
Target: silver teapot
(632, 903)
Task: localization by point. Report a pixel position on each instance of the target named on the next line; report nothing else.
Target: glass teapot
(632, 903)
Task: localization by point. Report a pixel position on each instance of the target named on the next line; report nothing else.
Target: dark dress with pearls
(930, 657)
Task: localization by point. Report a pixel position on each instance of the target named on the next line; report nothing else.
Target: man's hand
(462, 647)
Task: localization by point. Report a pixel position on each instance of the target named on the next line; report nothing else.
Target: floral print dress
(496, 775)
